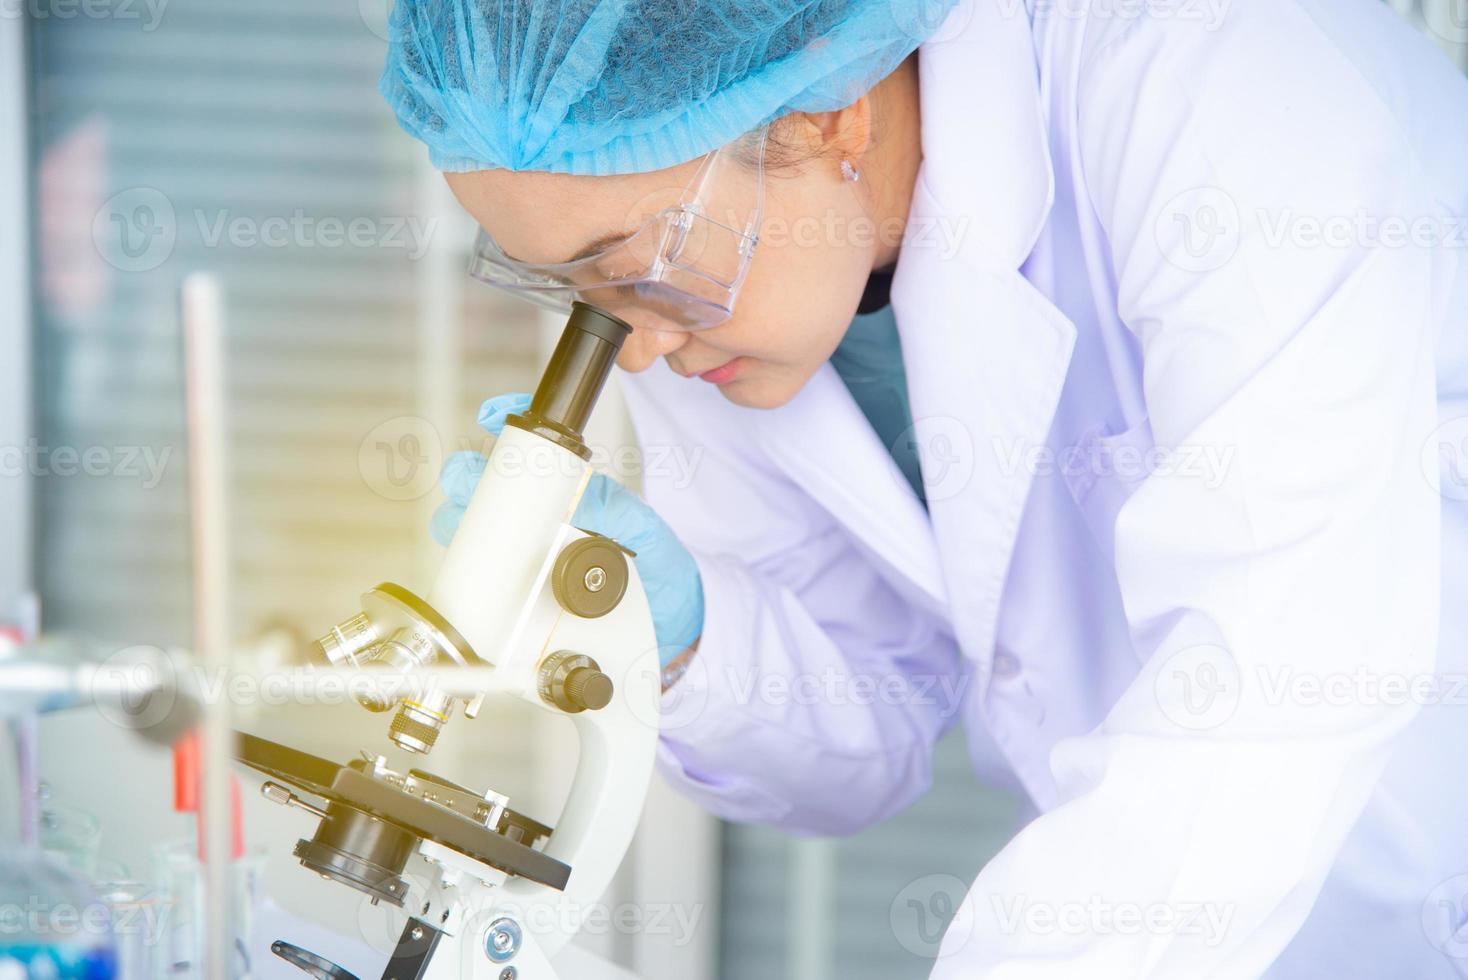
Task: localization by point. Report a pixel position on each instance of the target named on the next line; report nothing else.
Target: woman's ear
(846, 133)
(841, 134)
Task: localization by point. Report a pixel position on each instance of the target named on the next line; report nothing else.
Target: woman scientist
(1076, 372)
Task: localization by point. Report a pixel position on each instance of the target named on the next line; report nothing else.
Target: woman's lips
(722, 374)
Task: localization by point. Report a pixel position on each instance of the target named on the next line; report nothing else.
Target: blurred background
(142, 140)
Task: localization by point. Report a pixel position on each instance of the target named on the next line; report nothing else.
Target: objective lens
(405, 651)
(347, 639)
(416, 726)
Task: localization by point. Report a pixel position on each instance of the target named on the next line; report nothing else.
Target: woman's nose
(646, 345)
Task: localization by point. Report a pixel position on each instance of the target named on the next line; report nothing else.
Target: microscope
(533, 609)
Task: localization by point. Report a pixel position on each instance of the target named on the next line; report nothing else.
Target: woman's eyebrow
(597, 244)
(590, 248)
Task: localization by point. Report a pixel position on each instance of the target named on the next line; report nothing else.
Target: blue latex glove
(669, 575)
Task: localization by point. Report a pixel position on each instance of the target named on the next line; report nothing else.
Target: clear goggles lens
(682, 267)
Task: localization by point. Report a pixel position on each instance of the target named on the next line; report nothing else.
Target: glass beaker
(52, 925)
(137, 917)
(179, 875)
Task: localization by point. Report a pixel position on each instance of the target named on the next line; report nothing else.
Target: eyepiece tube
(574, 379)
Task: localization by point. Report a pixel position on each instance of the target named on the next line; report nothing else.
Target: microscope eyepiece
(573, 381)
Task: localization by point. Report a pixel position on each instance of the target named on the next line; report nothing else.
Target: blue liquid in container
(58, 962)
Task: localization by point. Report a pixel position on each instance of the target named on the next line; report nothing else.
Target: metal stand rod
(23, 732)
(203, 321)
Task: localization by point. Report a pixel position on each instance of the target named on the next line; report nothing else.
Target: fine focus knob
(574, 683)
(588, 688)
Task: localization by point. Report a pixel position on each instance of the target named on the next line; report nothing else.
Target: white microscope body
(496, 585)
(561, 618)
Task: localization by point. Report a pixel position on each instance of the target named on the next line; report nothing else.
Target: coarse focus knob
(574, 683)
(589, 688)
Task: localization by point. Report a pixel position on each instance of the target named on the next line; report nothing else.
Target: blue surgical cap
(628, 86)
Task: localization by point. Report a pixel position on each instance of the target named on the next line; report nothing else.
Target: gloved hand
(669, 575)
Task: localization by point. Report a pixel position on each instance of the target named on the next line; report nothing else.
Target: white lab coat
(1170, 661)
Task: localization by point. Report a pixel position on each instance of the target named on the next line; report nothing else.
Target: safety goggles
(680, 270)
